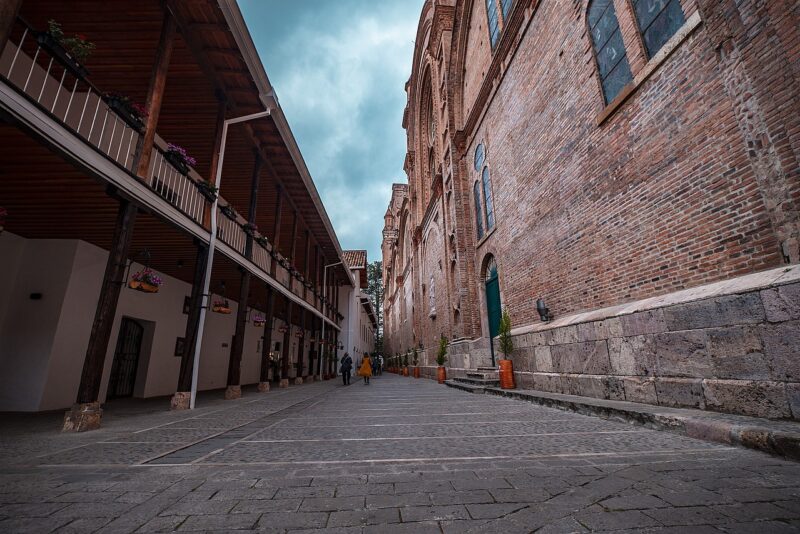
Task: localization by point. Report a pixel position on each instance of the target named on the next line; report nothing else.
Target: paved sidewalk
(400, 455)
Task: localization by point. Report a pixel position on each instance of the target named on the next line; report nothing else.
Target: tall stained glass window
(494, 22)
(658, 21)
(612, 62)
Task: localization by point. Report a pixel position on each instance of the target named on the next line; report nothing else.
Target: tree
(441, 354)
(375, 291)
(504, 335)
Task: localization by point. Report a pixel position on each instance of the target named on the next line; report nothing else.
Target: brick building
(634, 165)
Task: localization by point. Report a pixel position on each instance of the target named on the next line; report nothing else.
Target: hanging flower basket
(71, 52)
(283, 329)
(259, 320)
(145, 281)
(129, 111)
(208, 190)
(179, 158)
(221, 306)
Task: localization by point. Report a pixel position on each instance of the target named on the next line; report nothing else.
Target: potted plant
(179, 158)
(250, 229)
(129, 111)
(3, 215)
(506, 345)
(71, 52)
(207, 189)
(441, 359)
(415, 361)
(221, 306)
(146, 281)
(405, 364)
(259, 320)
(228, 212)
(261, 240)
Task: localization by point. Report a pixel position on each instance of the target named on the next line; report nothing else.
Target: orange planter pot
(405, 371)
(441, 374)
(506, 374)
(416, 372)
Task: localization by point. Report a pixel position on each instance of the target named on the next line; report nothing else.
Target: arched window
(506, 8)
(609, 50)
(494, 23)
(432, 164)
(430, 119)
(658, 21)
(480, 157)
(478, 212)
(487, 195)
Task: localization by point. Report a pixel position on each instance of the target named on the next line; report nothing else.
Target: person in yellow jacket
(366, 369)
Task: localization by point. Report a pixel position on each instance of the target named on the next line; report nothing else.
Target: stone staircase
(476, 381)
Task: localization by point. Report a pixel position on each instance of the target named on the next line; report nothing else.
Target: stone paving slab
(401, 455)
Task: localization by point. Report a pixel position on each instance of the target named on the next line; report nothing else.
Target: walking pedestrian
(347, 366)
(365, 370)
(374, 359)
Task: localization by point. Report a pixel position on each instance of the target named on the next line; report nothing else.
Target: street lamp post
(212, 241)
(324, 297)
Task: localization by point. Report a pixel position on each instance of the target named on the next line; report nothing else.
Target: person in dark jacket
(347, 366)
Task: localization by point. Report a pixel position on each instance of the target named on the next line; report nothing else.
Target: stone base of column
(233, 392)
(298, 381)
(180, 401)
(284, 383)
(263, 387)
(83, 417)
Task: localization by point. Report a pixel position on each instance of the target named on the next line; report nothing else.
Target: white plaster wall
(28, 330)
(43, 343)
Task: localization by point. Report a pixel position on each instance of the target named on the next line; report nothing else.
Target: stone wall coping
(741, 284)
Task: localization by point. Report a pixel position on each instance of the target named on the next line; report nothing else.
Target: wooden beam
(113, 280)
(192, 322)
(234, 390)
(266, 347)
(215, 154)
(155, 93)
(276, 230)
(8, 15)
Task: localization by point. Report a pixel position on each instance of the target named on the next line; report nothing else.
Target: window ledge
(669, 47)
(482, 240)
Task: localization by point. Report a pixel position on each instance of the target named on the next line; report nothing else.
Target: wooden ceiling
(206, 62)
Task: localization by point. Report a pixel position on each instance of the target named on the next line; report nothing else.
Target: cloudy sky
(339, 68)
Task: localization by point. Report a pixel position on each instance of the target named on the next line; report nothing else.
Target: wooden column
(276, 230)
(293, 249)
(8, 15)
(86, 413)
(155, 93)
(301, 347)
(252, 208)
(307, 263)
(180, 401)
(266, 347)
(287, 336)
(317, 268)
(212, 168)
(234, 389)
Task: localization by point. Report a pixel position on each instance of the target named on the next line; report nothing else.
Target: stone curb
(740, 431)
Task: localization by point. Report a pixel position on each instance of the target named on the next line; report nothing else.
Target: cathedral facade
(621, 176)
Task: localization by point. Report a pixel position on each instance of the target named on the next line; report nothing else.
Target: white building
(361, 323)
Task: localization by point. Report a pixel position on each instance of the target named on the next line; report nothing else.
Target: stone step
(487, 369)
(483, 382)
(464, 387)
(486, 376)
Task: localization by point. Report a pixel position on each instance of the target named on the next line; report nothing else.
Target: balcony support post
(266, 347)
(155, 94)
(182, 397)
(306, 264)
(284, 383)
(8, 15)
(86, 412)
(215, 155)
(301, 345)
(276, 230)
(234, 389)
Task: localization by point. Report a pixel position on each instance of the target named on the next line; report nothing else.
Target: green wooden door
(493, 306)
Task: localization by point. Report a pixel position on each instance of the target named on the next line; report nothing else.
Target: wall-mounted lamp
(544, 311)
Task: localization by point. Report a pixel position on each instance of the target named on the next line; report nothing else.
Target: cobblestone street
(400, 455)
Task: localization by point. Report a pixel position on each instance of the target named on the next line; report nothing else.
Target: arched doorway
(126, 360)
(494, 309)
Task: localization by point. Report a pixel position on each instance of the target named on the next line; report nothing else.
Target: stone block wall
(736, 353)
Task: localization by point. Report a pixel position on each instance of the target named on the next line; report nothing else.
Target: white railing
(230, 232)
(34, 67)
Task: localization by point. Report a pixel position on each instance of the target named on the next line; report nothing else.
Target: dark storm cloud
(339, 68)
